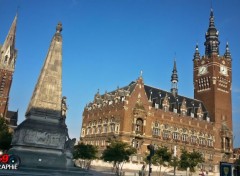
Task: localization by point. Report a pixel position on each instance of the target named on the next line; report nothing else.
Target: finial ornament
(141, 73)
(59, 27)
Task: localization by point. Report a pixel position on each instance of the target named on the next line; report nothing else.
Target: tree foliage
(190, 160)
(161, 156)
(86, 153)
(118, 152)
(5, 135)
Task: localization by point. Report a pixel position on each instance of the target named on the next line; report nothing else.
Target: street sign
(225, 169)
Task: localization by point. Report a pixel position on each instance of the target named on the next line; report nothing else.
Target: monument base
(42, 144)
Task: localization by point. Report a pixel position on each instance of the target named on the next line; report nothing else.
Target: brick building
(8, 55)
(141, 114)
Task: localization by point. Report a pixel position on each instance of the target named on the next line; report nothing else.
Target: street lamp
(149, 157)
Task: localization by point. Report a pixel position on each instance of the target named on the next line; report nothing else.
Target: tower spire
(174, 79)
(47, 95)
(227, 53)
(8, 52)
(212, 42)
(196, 54)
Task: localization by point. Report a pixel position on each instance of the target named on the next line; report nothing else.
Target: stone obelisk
(41, 140)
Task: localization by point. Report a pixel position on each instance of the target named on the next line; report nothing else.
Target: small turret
(227, 53)
(197, 54)
(174, 80)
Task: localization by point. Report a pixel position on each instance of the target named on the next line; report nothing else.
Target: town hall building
(140, 114)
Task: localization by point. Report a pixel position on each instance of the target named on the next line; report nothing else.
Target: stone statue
(69, 144)
(64, 107)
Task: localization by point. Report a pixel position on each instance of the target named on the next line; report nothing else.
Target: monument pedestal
(42, 144)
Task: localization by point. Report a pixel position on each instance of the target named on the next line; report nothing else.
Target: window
(156, 129)
(94, 130)
(184, 137)
(227, 143)
(175, 110)
(193, 139)
(105, 129)
(175, 135)
(201, 141)
(210, 156)
(192, 114)
(139, 126)
(136, 143)
(112, 127)
(99, 129)
(166, 134)
(210, 142)
(88, 130)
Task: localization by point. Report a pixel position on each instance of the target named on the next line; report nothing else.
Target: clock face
(202, 70)
(223, 70)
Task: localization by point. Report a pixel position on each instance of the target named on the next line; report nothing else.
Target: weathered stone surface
(42, 140)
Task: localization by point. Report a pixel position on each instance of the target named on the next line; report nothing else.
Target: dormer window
(192, 114)
(175, 110)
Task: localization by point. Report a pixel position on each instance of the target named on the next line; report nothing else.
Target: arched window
(139, 126)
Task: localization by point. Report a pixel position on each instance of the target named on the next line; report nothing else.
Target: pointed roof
(47, 95)
(8, 52)
(174, 77)
(212, 42)
(227, 53)
(196, 54)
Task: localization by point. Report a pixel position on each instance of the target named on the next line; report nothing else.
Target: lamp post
(149, 157)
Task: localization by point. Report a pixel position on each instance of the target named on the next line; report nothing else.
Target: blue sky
(106, 43)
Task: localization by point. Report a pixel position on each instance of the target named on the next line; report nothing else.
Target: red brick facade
(141, 115)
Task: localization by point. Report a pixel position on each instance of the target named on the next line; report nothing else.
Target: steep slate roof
(157, 96)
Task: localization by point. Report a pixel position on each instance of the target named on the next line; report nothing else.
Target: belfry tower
(8, 54)
(212, 85)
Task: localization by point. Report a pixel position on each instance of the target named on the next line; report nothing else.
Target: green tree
(118, 152)
(174, 163)
(85, 152)
(190, 160)
(237, 167)
(161, 157)
(5, 135)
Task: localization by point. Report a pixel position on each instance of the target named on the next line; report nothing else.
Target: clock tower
(212, 85)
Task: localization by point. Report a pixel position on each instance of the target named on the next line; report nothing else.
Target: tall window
(201, 141)
(112, 127)
(193, 139)
(227, 143)
(175, 135)
(139, 126)
(166, 134)
(105, 129)
(184, 137)
(156, 129)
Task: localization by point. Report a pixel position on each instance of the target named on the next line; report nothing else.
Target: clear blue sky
(107, 42)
